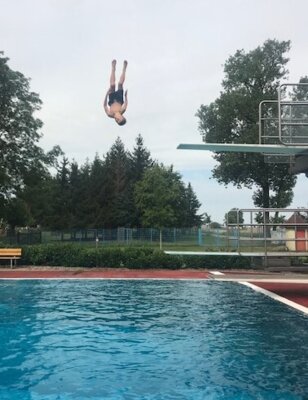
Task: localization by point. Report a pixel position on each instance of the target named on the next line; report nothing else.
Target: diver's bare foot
(125, 64)
(114, 63)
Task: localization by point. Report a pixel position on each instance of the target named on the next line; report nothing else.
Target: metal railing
(269, 231)
(285, 121)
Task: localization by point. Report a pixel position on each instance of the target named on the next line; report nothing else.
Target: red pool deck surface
(296, 292)
(293, 287)
(116, 273)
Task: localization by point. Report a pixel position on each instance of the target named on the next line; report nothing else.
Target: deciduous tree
(22, 161)
(232, 118)
(157, 196)
(19, 130)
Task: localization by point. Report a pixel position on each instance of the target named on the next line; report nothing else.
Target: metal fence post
(199, 237)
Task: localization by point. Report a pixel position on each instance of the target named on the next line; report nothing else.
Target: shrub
(75, 255)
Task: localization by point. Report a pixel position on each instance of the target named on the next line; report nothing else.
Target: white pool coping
(276, 297)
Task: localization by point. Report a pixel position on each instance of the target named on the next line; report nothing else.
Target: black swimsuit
(116, 97)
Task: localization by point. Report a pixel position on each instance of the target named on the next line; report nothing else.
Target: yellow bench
(10, 254)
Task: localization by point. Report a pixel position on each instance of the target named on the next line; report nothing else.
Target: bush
(75, 255)
(67, 255)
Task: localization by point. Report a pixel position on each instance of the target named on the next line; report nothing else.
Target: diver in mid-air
(115, 102)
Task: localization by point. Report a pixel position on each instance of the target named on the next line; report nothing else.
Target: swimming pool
(63, 340)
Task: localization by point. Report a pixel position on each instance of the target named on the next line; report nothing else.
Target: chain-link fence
(252, 230)
(184, 238)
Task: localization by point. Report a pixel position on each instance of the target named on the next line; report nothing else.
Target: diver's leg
(112, 76)
(122, 77)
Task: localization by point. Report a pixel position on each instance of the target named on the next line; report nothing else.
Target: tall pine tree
(140, 161)
(118, 206)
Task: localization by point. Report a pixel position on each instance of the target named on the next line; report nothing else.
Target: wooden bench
(10, 254)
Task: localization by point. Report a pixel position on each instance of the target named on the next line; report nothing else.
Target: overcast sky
(175, 51)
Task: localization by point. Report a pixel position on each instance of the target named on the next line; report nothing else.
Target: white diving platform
(246, 148)
(239, 253)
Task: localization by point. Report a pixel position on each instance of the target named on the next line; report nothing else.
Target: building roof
(299, 221)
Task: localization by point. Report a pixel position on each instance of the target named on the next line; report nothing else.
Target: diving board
(299, 153)
(238, 253)
(246, 148)
(283, 130)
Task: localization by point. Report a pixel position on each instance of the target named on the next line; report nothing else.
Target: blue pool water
(153, 340)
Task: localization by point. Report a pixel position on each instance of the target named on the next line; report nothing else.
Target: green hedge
(74, 255)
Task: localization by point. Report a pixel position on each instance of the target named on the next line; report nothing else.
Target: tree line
(108, 192)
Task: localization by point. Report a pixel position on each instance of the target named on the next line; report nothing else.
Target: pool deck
(100, 273)
(290, 288)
